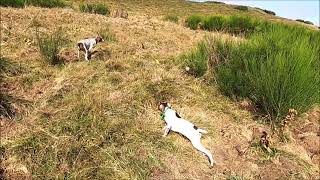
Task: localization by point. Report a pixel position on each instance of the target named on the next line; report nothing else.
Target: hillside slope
(99, 119)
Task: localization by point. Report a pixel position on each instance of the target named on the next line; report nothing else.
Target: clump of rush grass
(193, 21)
(50, 45)
(39, 3)
(107, 34)
(235, 24)
(95, 8)
(196, 61)
(7, 69)
(276, 68)
(171, 18)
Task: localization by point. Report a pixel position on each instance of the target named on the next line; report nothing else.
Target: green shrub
(303, 21)
(242, 8)
(171, 18)
(95, 9)
(308, 22)
(197, 60)
(269, 12)
(193, 21)
(50, 45)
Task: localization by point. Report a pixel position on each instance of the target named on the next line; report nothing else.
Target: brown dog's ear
(99, 39)
(165, 104)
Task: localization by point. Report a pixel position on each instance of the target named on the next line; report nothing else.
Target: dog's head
(99, 39)
(162, 106)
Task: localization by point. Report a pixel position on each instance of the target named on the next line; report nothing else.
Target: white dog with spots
(177, 124)
(87, 45)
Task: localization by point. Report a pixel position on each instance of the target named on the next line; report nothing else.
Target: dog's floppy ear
(99, 39)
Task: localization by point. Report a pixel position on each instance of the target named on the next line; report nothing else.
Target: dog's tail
(202, 131)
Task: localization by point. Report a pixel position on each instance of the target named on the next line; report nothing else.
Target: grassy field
(99, 119)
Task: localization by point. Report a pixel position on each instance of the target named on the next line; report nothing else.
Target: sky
(292, 9)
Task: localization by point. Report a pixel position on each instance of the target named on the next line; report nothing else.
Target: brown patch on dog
(99, 39)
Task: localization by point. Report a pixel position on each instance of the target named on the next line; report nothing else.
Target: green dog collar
(162, 116)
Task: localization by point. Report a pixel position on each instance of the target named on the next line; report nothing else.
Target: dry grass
(99, 119)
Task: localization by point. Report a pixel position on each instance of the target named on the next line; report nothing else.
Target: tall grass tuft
(171, 18)
(50, 45)
(238, 25)
(193, 21)
(95, 9)
(197, 60)
(107, 34)
(277, 68)
(213, 23)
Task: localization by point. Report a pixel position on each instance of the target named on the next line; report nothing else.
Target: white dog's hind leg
(197, 144)
(202, 131)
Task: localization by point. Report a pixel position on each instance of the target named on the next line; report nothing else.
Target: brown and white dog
(177, 124)
(86, 45)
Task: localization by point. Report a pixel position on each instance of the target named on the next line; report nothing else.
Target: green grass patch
(235, 24)
(39, 3)
(197, 60)
(107, 34)
(12, 3)
(95, 8)
(277, 68)
(171, 18)
(193, 21)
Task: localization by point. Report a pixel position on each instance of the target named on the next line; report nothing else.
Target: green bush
(242, 8)
(197, 60)
(269, 12)
(171, 18)
(50, 45)
(277, 68)
(193, 21)
(95, 9)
